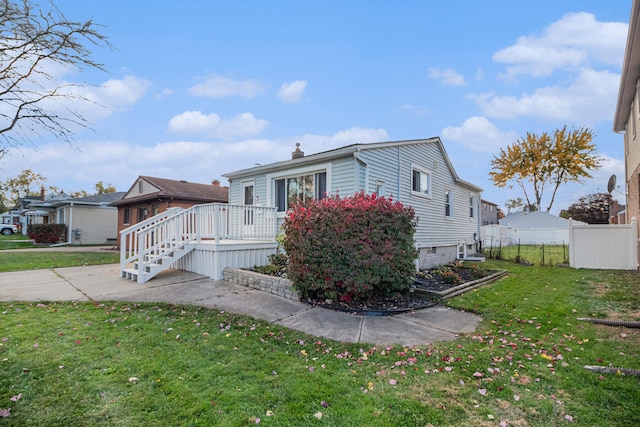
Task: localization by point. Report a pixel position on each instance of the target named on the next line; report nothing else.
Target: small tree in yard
(350, 248)
(592, 209)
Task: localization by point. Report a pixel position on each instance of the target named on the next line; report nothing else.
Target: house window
(140, 186)
(61, 216)
(155, 209)
(420, 182)
(470, 206)
(126, 216)
(447, 204)
(380, 188)
(143, 213)
(299, 188)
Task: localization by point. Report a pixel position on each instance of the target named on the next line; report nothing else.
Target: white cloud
(119, 162)
(118, 94)
(479, 134)
(242, 125)
(589, 99)
(196, 122)
(164, 93)
(292, 92)
(221, 87)
(448, 77)
(576, 40)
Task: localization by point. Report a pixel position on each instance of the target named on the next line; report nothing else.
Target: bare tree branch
(33, 43)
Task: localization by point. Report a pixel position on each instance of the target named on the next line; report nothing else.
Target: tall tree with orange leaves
(540, 162)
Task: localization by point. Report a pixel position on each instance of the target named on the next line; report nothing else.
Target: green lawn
(15, 241)
(547, 254)
(17, 261)
(167, 365)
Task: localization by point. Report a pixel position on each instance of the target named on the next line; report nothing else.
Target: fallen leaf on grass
(16, 397)
(393, 382)
(133, 379)
(482, 391)
(318, 415)
(568, 418)
(4, 413)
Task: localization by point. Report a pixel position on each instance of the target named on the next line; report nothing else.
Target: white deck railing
(150, 240)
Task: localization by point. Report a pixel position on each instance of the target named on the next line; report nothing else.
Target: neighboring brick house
(149, 196)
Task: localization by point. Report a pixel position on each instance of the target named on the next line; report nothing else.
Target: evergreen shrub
(350, 248)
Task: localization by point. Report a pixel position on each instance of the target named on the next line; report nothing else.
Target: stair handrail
(149, 241)
(129, 236)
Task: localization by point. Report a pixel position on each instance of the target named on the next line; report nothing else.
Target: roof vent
(297, 154)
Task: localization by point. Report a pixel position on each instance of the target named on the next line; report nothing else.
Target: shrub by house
(47, 233)
(350, 248)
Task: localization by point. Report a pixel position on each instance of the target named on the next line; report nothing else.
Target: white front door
(248, 199)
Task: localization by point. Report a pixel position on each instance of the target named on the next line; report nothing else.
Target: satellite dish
(611, 185)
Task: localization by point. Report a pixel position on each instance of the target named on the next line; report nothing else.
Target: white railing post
(275, 223)
(216, 223)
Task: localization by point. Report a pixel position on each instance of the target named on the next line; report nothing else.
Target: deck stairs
(159, 242)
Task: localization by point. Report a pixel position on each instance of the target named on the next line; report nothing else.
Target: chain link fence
(540, 254)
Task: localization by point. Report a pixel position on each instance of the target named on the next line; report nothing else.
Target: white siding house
(417, 173)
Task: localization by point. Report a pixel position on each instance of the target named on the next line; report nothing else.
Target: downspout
(398, 195)
(478, 237)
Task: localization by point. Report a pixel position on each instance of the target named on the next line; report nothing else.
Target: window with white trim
(303, 187)
(471, 203)
(420, 181)
(447, 203)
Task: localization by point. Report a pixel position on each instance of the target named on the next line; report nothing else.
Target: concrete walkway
(103, 283)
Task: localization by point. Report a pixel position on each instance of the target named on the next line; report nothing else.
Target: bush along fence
(540, 254)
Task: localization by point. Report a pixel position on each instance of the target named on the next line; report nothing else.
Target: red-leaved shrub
(47, 233)
(350, 248)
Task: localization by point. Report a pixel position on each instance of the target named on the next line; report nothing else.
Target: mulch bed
(382, 305)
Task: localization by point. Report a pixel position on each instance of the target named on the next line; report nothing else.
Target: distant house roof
(486, 202)
(96, 199)
(184, 190)
(346, 151)
(538, 219)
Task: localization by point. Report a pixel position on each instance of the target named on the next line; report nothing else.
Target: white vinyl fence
(604, 246)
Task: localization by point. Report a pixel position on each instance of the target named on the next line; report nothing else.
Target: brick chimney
(42, 194)
(215, 183)
(297, 154)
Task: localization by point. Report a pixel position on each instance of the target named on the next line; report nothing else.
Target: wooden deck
(210, 258)
(203, 239)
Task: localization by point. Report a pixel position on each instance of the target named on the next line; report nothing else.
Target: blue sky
(196, 89)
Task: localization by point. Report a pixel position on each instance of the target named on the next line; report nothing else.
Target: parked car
(8, 229)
